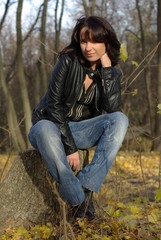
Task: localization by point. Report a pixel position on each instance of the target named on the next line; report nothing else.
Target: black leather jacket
(65, 84)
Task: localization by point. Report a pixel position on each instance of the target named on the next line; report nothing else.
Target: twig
(145, 188)
(160, 172)
(63, 207)
(6, 163)
(118, 184)
(150, 56)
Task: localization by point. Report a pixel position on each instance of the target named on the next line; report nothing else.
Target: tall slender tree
(15, 134)
(158, 116)
(89, 7)
(20, 72)
(58, 26)
(146, 72)
(14, 130)
(42, 62)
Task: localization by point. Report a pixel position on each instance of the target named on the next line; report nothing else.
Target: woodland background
(29, 44)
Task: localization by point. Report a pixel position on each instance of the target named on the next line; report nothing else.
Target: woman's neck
(94, 65)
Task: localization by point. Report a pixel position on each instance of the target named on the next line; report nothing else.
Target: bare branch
(7, 5)
(34, 24)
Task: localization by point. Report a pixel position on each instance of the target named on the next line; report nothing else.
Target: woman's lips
(89, 55)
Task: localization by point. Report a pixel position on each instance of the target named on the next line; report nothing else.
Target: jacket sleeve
(111, 82)
(55, 105)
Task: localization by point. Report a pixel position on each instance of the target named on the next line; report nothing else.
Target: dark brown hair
(98, 30)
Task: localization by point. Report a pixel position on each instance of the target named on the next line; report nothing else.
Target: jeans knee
(117, 121)
(44, 129)
(118, 118)
(122, 118)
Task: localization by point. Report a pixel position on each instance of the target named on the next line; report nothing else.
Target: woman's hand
(74, 161)
(105, 60)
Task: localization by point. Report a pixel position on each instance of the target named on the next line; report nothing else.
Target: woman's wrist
(105, 61)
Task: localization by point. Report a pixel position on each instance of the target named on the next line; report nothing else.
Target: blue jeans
(106, 132)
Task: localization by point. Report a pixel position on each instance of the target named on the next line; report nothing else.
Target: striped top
(82, 109)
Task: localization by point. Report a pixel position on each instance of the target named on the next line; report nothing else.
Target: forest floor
(128, 206)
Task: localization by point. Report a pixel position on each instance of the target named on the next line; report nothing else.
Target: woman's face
(92, 51)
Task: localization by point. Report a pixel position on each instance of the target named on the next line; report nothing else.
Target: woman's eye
(83, 41)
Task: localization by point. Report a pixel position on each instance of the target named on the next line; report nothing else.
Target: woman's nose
(88, 46)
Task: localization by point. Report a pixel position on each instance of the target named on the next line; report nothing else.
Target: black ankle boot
(86, 209)
(90, 211)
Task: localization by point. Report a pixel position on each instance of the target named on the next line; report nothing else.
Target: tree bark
(43, 73)
(28, 194)
(146, 73)
(89, 8)
(13, 124)
(58, 26)
(20, 72)
(157, 141)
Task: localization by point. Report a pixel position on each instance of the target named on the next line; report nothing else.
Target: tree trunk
(13, 124)
(43, 73)
(89, 7)
(146, 73)
(20, 72)
(157, 141)
(58, 25)
(28, 194)
(92, 4)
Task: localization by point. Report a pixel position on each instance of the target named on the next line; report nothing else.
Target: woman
(81, 109)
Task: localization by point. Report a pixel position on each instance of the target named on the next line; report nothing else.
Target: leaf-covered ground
(6, 161)
(128, 205)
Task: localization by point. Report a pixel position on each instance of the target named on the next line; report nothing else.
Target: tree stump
(28, 195)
